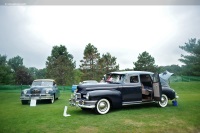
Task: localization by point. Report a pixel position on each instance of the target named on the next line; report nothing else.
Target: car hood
(165, 75)
(40, 88)
(98, 86)
(164, 78)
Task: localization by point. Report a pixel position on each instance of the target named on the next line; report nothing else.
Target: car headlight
(48, 91)
(24, 91)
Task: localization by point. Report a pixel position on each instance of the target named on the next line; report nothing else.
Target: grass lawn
(184, 118)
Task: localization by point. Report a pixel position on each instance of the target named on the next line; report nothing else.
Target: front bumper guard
(87, 104)
(82, 103)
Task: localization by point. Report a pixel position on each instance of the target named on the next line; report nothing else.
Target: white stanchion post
(65, 112)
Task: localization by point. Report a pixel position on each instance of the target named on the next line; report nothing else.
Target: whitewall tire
(102, 106)
(164, 101)
(52, 100)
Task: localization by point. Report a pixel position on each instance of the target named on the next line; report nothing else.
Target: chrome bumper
(38, 97)
(86, 106)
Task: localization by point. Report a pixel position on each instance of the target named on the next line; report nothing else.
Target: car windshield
(42, 83)
(115, 78)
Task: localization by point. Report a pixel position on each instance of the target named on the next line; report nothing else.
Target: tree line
(60, 65)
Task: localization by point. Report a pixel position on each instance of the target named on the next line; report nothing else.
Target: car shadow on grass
(42, 102)
(79, 111)
(137, 107)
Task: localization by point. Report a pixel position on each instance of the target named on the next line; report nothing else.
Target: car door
(157, 89)
(131, 89)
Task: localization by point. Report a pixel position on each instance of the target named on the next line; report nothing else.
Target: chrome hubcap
(103, 106)
(163, 102)
(162, 99)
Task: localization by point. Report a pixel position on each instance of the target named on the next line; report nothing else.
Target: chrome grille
(35, 91)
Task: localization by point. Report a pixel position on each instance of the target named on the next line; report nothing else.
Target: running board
(136, 102)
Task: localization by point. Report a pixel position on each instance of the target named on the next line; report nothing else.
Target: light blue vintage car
(41, 89)
(74, 87)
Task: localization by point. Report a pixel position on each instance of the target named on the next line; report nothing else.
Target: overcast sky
(123, 31)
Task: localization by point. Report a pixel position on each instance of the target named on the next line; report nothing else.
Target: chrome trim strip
(90, 101)
(111, 87)
(130, 103)
(101, 88)
(132, 86)
(136, 102)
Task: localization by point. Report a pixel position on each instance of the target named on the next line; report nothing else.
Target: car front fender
(113, 96)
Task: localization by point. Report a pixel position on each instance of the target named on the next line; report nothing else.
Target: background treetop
(192, 59)
(61, 50)
(60, 65)
(15, 62)
(145, 62)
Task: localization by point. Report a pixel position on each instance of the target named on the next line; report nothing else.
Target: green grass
(185, 118)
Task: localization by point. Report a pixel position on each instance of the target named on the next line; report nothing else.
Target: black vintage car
(123, 88)
(41, 89)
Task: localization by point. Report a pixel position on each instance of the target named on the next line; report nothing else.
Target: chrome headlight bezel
(87, 96)
(47, 91)
(24, 91)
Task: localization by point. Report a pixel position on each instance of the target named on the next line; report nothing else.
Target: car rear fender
(170, 93)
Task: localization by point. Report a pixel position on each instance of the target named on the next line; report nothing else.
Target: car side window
(134, 79)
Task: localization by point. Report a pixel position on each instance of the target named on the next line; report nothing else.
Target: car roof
(89, 81)
(51, 80)
(131, 72)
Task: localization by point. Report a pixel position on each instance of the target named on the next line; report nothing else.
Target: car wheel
(52, 100)
(164, 101)
(102, 106)
(24, 102)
